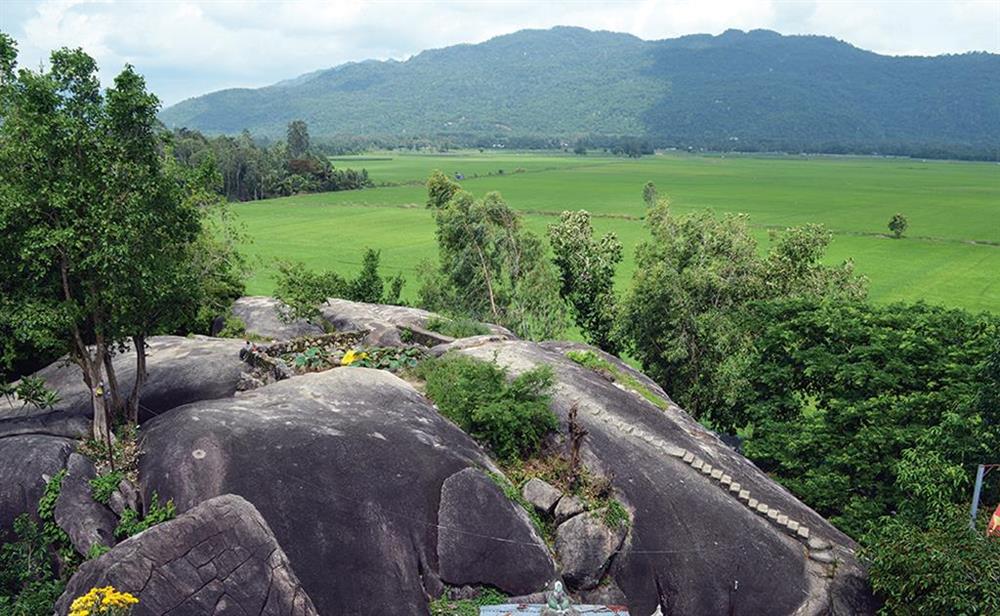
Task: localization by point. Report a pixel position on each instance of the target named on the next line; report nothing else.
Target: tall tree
(298, 138)
(587, 273)
(96, 232)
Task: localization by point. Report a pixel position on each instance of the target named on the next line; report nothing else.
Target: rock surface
(180, 370)
(541, 495)
(692, 538)
(568, 507)
(261, 316)
(585, 546)
(346, 466)
(218, 558)
(484, 538)
(27, 462)
(86, 521)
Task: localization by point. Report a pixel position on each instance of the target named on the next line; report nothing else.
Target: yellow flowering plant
(104, 601)
(352, 356)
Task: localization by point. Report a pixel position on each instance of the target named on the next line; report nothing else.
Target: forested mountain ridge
(756, 88)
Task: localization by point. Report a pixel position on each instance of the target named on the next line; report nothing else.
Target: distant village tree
(97, 234)
(649, 194)
(898, 225)
(298, 138)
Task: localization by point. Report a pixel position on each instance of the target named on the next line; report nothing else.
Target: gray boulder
(180, 370)
(585, 546)
(86, 521)
(27, 462)
(484, 538)
(218, 558)
(540, 494)
(72, 424)
(347, 467)
(568, 507)
(262, 317)
(705, 517)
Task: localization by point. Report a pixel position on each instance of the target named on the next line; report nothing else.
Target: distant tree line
(252, 169)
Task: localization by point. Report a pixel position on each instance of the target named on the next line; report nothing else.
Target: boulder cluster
(343, 490)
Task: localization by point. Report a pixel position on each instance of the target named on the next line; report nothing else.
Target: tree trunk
(132, 409)
(115, 397)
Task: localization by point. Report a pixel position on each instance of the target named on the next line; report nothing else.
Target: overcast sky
(186, 48)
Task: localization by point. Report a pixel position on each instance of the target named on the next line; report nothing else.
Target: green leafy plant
(615, 515)
(591, 360)
(103, 486)
(389, 358)
(131, 523)
(30, 390)
(545, 528)
(28, 584)
(509, 417)
(467, 607)
(234, 327)
(313, 358)
(97, 550)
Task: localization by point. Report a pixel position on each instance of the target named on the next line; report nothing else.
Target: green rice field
(949, 256)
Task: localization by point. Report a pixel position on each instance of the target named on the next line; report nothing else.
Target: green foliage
(234, 327)
(694, 281)
(390, 358)
(303, 290)
(249, 170)
(440, 190)
(616, 516)
(460, 327)
(587, 272)
(589, 359)
(925, 559)
(466, 607)
(103, 486)
(29, 391)
(490, 268)
(132, 524)
(510, 418)
(840, 390)
(28, 584)
(97, 550)
(649, 194)
(898, 224)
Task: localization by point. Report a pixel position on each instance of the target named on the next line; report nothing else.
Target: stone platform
(533, 609)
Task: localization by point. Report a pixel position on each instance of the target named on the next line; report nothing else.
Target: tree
(490, 268)
(694, 280)
(298, 138)
(649, 194)
(96, 231)
(898, 224)
(587, 275)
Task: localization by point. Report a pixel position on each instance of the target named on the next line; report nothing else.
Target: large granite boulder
(262, 317)
(27, 463)
(86, 521)
(347, 467)
(586, 545)
(180, 369)
(218, 558)
(707, 521)
(474, 513)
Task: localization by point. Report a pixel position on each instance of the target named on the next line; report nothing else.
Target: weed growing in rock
(123, 455)
(456, 328)
(28, 585)
(509, 417)
(103, 486)
(545, 529)
(466, 607)
(589, 359)
(131, 524)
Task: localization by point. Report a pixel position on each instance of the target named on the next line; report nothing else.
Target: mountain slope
(697, 90)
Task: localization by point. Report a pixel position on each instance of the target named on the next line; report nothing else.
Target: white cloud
(187, 47)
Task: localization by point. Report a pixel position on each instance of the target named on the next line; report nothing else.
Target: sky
(188, 47)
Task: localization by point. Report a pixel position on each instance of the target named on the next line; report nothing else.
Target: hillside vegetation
(739, 90)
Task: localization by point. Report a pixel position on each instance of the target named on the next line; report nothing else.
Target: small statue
(557, 602)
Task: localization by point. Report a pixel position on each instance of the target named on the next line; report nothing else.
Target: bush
(103, 486)
(511, 418)
(28, 585)
(456, 328)
(131, 524)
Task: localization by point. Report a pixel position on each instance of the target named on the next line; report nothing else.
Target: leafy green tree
(898, 225)
(298, 138)
(490, 269)
(683, 317)
(838, 391)
(649, 194)
(924, 559)
(587, 273)
(440, 190)
(97, 230)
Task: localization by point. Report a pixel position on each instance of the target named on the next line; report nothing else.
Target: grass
(589, 359)
(949, 256)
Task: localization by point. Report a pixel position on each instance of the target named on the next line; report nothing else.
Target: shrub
(131, 524)
(28, 584)
(511, 418)
(103, 486)
(466, 607)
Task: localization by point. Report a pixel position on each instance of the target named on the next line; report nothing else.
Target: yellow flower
(352, 356)
(105, 601)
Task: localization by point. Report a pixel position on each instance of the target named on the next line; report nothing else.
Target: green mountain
(755, 88)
